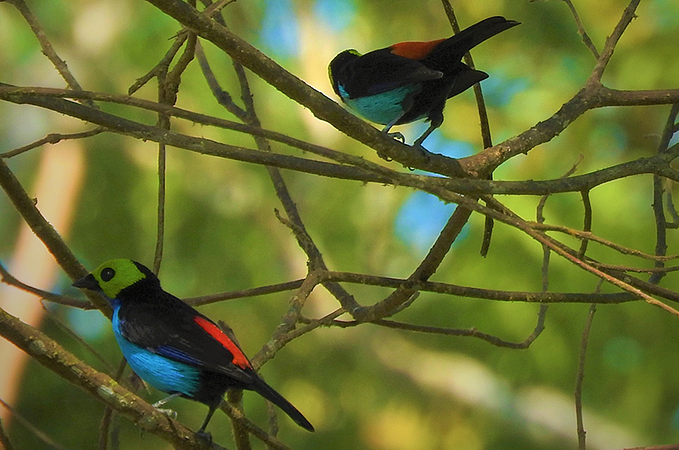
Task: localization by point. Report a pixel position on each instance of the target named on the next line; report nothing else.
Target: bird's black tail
(456, 46)
(277, 399)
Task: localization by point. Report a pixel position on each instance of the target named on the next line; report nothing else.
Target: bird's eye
(107, 274)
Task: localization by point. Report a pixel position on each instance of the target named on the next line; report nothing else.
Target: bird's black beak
(88, 282)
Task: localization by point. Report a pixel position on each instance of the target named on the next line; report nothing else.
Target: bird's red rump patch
(213, 330)
(414, 50)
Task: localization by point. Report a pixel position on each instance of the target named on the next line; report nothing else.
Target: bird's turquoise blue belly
(382, 108)
(162, 373)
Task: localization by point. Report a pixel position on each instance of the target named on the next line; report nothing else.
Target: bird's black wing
(380, 71)
(171, 328)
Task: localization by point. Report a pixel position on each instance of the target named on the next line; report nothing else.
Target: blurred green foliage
(367, 387)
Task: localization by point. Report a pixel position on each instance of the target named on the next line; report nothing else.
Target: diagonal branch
(612, 41)
(46, 46)
(26, 206)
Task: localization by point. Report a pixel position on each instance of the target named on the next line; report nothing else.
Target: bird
(409, 81)
(172, 346)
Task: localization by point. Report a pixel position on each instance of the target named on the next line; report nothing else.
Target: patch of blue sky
(674, 139)
(499, 91)
(422, 216)
(280, 29)
(436, 142)
(336, 15)
(420, 220)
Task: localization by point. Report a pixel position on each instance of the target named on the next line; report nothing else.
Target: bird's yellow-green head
(114, 276)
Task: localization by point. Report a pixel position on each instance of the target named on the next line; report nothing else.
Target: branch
(658, 194)
(657, 164)
(252, 292)
(52, 138)
(581, 29)
(426, 269)
(198, 145)
(612, 41)
(45, 232)
(46, 46)
(580, 378)
(9, 279)
(616, 97)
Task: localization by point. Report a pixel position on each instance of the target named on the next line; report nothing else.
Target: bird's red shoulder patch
(213, 330)
(414, 50)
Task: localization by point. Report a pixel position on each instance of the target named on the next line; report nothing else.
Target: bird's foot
(426, 154)
(204, 435)
(171, 413)
(398, 136)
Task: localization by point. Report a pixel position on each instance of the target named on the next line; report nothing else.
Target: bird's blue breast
(380, 108)
(162, 373)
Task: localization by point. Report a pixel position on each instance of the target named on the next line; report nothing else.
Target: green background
(366, 387)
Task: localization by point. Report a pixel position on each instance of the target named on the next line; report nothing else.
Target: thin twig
(587, 235)
(109, 413)
(634, 269)
(9, 279)
(581, 29)
(237, 415)
(587, 219)
(46, 46)
(657, 164)
(251, 292)
(52, 138)
(469, 332)
(240, 433)
(46, 232)
(612, 41)
(486, 136)
(580, 378)
(472, 292)
(73, 335)
(222, 97)
(658, 192)
(426, 268)
(162, 66)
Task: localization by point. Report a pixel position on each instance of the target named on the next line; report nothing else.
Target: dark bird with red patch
(172, 346)
(411, 80)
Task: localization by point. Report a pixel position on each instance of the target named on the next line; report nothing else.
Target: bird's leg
(396, 135)
(418, 142)
(201, 430)
(161, 402)
(435, 121)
